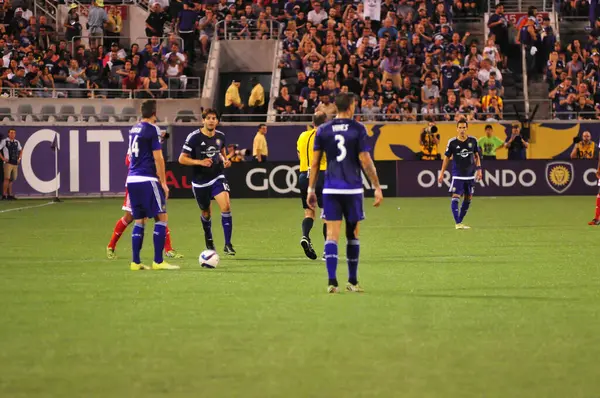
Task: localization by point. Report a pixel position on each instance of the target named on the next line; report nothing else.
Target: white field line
(26, 207)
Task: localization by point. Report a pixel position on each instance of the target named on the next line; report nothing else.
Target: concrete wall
(242, 56)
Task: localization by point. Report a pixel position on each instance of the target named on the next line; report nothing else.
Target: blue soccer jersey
(342, 140)
(144, 138)
(463, 157)
(200, 146)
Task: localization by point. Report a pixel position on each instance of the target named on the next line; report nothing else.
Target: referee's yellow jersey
(305, 147)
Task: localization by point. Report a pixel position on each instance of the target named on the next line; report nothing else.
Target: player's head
(489, 130)
(149, 109)
(12, 133)
(345, 103)
(319, 118)
(461, 127)
(211, 119)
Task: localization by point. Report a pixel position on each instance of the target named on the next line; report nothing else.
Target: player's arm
(369, 168)
(444, 167)
(311, 198)
(478, 172)
(598, 169)
(159, 161)
(187, 155)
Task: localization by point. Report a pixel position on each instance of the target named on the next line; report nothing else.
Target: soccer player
(204, 150)
(344, 141)
(148, 199)
(124, 222)
(465, 154)
(305, 146)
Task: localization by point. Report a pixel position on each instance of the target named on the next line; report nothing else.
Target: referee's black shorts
(303, 185)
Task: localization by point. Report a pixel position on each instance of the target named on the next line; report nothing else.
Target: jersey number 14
(341, 142)
(134, 150)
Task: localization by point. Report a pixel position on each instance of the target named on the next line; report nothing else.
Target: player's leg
(469, 190)
(220, 191)
(353, 213)
(137, 192)
(158, 211)
(13, 177)
(332, 211)
(596, 220)
(203, 197)
(120, 227)
(456, 189)
(308, 220)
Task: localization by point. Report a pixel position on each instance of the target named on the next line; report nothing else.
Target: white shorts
(126, 204)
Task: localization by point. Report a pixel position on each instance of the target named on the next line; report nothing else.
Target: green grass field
(507, 309)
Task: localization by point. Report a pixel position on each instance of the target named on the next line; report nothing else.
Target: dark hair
(319, 118)
(488, 126)
(344, 101)
(260, 126)
(210, 111)
(461, 121)
(148, 109)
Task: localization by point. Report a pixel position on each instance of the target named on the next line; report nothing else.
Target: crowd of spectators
(411, 65)
(41, 59)
(572, 70)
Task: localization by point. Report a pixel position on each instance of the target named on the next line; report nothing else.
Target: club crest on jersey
(219, 142)
(559, 176)
(470, 145)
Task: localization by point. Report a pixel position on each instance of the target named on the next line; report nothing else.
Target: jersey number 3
(341, 141)
(134, 150)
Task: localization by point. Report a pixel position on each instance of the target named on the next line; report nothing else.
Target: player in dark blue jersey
(344, 142)
(204, 150)
(147, 187)
(465, 154)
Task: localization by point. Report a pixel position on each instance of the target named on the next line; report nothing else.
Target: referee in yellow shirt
(305, 148)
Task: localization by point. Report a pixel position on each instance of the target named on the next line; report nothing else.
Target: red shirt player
(127, 219)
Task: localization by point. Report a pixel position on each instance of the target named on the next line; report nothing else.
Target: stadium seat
(6, 114)
(106, 112)
(127, 114)
(87, 111)
(46, 112)
(66, 111)
(186, 116)
(25, 111)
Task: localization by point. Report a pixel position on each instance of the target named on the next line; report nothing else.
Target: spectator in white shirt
(486, 69)
(370, 39)
(317, 14)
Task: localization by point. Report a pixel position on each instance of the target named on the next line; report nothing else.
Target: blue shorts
(205, 194)
(337, 207)
(147, 199)
(462, 187)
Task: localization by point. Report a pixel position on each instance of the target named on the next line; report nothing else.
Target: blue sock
(464, 208)
(160, 232)
(207, 226)
(352, 252)
(454, 207)
(227, 222)
(331, 260)
(137, 239)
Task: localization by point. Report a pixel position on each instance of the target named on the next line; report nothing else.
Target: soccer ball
(209, 259)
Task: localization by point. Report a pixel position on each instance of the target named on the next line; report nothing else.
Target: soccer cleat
(138, 267)
(163, 266)
(229, 250)
(354, 288)
(173, 254)
(323, 258)
(332, 289)
(309, 251)
(110, 253)
(594, 222)
(462, 226)
(210, 245)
